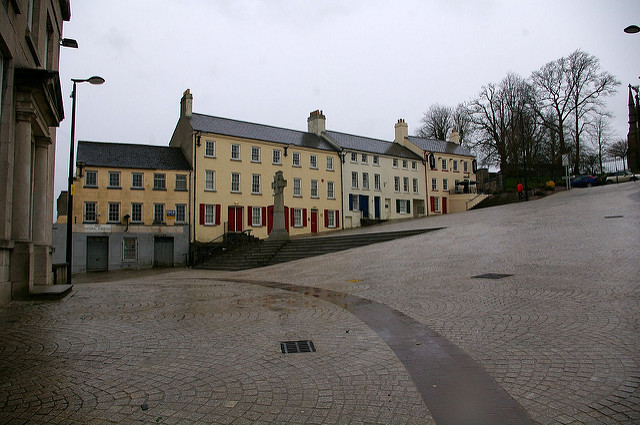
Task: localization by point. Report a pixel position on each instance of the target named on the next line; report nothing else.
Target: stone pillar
(279, 231)
(21, 273)
(41, 215)
(21, 208)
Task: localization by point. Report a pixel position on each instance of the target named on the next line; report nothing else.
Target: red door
(314, 221)
(235, 219)
(444, 205)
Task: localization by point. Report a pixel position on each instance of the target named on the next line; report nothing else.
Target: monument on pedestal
(279, 231)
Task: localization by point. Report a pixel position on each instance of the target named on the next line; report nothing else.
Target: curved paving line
(455, 388)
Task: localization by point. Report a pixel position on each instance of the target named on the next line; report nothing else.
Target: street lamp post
(70, 188)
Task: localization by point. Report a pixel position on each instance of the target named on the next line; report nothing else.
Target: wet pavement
(404, 331)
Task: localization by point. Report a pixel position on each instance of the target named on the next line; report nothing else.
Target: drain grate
(613, 216)
(491, 276)
(288, 347)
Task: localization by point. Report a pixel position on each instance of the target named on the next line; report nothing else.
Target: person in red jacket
(519, 188)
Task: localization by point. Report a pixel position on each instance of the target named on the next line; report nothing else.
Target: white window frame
(159, 181)
(313, 162)
(256, 216)
(405, 164)
(395, 162)
(135, 219)
(354, 179)
(396, 184)
(331, 219)
(133, 180)
(415, 185)
(297, 217)
(209, 149)
(296, 159)
(405, 184)
(329, 163)
(434, 184)
(158, 208)
(376, 160)
(376, 182)
(87, 182)
(314, 188)
(235, 152)
(210, 180)
(255, 154)
(445, 184)
(235, 183)
(209, 215)
(181, 178)
(113, 212)
(181, 213)
(365, 181)
(94, 206)
(297, 187)
(354, 157)
(277, 157)
(436, 203)
(465, 166)
(129, 253)
(256, 187)
(114, 177)
(364, 158)
(331, 194)
(402, 206)
(455, 165)
(443, 162)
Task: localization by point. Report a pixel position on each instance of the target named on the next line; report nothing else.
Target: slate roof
(128, 155)
(247, 130)
(367, 144)
(432, 145)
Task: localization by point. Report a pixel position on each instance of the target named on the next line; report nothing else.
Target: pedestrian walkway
(541, 297)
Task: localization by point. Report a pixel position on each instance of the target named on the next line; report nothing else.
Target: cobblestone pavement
(561, 335)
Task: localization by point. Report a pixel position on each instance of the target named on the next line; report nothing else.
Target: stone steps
(264, 253)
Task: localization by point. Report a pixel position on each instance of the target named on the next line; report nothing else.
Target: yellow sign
(73, 189)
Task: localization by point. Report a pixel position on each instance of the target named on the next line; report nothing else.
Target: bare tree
(436, 122)
(569, 89)
(462, 123)
(601, 134)
(501, 121)
(553, 94)
(589, 87)
(619, 149)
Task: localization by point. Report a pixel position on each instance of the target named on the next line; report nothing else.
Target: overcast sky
(365, 63)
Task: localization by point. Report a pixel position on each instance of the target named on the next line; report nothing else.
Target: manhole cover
(288, 347)
(491, 276)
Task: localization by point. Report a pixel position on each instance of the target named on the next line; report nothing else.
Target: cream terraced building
(381, 180)
(234, 163)
(130, 208)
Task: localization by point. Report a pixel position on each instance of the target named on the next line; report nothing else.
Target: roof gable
(128, 155)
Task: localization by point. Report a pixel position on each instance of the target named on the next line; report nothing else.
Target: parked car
(622, 176)
(584, 181)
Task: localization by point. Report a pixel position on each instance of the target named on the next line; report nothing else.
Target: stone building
(31, 108)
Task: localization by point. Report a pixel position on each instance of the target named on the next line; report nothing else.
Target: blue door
(376, 206)
(364, 206)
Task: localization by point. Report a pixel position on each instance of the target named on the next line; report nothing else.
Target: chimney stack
(402, 132)
(186, 104)
(454, 137)
(317, 122)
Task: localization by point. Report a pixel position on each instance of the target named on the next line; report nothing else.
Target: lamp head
(632, 29)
